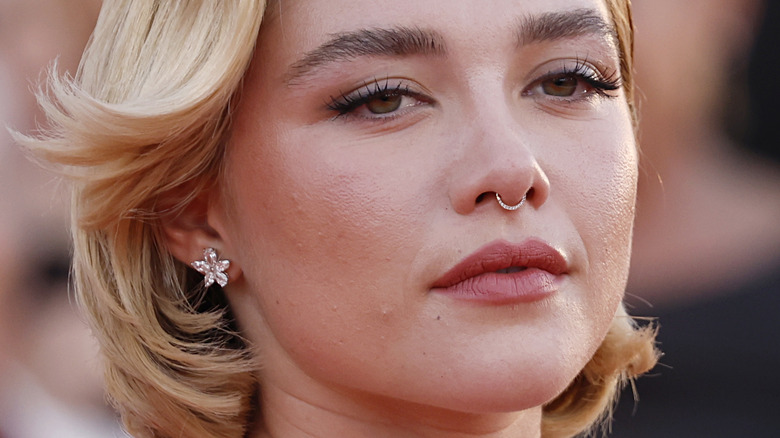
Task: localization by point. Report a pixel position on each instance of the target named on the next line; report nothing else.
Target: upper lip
(501, 254)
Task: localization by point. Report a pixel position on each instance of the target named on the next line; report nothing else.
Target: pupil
(384, 104)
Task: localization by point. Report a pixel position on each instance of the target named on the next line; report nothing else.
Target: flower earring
(212, 268)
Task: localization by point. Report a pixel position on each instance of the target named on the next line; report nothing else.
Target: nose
(496, 158)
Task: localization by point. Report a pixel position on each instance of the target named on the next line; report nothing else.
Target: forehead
(315, 18)
(296, 31)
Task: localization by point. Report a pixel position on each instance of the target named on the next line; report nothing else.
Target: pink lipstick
(505, 273)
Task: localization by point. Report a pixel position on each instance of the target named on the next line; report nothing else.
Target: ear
(194, 229)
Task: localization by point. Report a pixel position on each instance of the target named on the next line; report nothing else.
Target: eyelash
(346, 103)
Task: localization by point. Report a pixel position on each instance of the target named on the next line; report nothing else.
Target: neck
(335, 414)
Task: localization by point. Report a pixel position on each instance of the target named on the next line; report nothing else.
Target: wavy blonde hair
(141, 130)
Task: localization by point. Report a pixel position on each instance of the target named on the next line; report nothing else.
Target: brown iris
(561, 86)
(384, 104)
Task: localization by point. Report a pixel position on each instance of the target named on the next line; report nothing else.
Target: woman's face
(359, 200)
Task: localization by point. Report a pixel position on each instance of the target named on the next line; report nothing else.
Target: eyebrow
(346, 46)
(552, 26)
(411, 41)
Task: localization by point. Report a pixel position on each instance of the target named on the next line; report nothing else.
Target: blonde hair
(141, 131)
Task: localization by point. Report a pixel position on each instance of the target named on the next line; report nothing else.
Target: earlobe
(189, 236)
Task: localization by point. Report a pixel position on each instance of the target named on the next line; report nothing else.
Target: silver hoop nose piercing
(509, 207)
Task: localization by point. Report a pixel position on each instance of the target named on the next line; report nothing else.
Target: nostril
(529, 195)
(481, 197)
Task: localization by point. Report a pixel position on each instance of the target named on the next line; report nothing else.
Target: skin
(338, 226)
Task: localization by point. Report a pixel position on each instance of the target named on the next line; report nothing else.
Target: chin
(502, 386)
(509, 396)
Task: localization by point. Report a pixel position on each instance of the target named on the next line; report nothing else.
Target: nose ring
(509, 207)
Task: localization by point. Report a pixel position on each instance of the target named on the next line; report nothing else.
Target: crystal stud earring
(212, 268)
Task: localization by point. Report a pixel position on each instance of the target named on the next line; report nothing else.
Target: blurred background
(706, 257)
(707, 239)
(50, 384)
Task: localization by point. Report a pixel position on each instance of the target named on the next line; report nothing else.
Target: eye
(377, 100)
(580, 81)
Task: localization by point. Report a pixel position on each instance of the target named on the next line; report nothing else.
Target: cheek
(329, 237)
(599, 190)
(323, 210)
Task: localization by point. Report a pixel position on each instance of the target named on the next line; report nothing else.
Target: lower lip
(525, 286)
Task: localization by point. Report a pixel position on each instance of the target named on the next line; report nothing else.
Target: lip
(475, 278)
